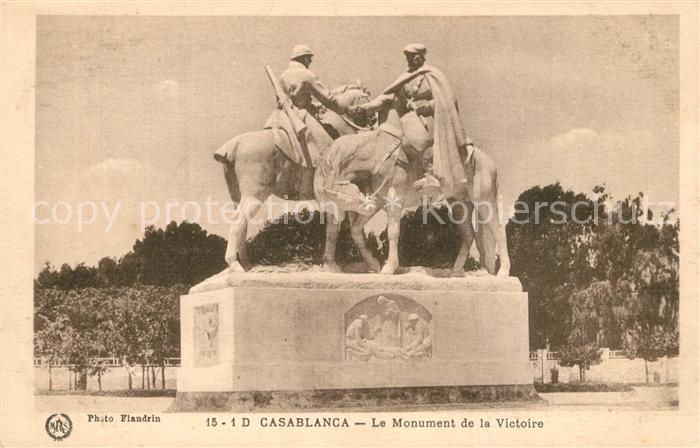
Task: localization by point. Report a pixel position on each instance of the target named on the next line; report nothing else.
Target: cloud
(167, 87)
(573, 140)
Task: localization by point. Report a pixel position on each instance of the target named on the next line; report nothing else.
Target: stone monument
(280, 341)
(322, 339)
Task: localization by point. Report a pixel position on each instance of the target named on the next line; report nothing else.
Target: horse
(255, 168)
(360, 174)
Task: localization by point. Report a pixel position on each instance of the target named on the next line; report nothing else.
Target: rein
(353, 125)
(375, 171)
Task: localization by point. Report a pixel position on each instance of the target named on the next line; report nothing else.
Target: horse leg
(485, 239)
(503, 257)
(479, 239)
(236, 251)
(494, 233)
(332, 229)
(357, 226)
(461, 212)
(393, 225)
(255, 176)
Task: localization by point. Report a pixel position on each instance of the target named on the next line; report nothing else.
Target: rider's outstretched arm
(381, 102)
(325, 96)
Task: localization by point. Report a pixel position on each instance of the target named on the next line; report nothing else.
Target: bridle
(344, 117)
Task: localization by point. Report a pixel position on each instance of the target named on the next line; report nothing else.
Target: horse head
(354, 94)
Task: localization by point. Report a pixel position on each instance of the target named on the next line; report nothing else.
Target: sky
(129, 110)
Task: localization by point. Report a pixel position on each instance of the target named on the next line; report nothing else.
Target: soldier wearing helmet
(302, 87)
(301, 84)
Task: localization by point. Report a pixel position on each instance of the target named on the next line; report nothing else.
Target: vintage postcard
(349, 224)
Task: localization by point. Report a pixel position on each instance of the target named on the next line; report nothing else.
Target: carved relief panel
(389, 327)
(206, 335)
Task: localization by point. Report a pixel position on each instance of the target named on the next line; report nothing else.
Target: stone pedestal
(319, 340)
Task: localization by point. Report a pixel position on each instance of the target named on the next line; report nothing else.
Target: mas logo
(58, 426)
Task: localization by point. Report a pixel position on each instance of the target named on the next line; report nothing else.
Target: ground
(641, 397)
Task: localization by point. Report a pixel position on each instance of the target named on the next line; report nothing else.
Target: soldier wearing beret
(425, 91)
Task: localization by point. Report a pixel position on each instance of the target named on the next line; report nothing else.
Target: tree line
(137, 324)
(609, 280)
(612, 281)
(126, 308)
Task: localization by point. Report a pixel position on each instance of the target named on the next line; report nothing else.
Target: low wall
(116, 378)
(612, 369)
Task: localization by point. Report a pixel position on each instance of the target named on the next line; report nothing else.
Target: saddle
(317, 137)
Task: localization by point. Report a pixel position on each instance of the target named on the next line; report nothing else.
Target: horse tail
(226, 154)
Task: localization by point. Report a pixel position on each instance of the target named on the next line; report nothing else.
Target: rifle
(285, 103)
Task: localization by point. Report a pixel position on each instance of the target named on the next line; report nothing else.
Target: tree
(655, 276)
(291, 238)
(138, 324)
(48, 342)
(584, 356)
(47, 278)
(650, 344)
(181, 254)
(147, 329)
(549, 253)
(300, 238)
(76, 351)
(643, 260)
(622, 233)
(598, 314)
(652, 327)
(427, 240)
(128, 270)
(89, 326)
(158, 320)
(81, 276)
(595, 318)
(126, 341)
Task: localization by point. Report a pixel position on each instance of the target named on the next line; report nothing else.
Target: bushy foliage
(300, 238)
(179, 254)
(139, 324)
(582, 355)
(426, 240)
(550, 257)
(595, 280)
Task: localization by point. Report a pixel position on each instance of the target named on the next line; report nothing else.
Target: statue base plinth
(283, 341)
(376, 399)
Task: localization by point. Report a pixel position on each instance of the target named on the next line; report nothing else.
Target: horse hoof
(374, 267)
(388, 269)
(331, 267)
(457, 273)
(235, 267)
